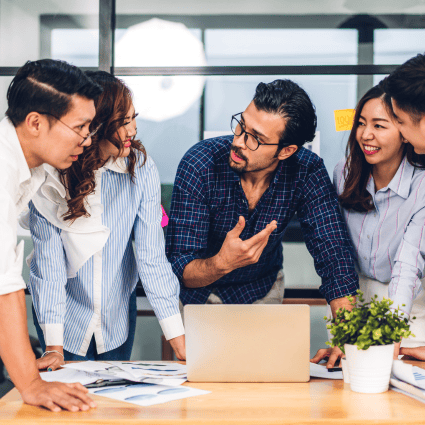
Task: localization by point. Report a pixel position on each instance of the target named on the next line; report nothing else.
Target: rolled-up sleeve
(326, 236)
(409, 264)
(160, 284)
(48, 277)
(187, 232)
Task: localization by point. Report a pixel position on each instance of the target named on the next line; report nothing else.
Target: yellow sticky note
(344, 119)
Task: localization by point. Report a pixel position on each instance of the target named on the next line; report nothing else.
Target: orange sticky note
(344, 119)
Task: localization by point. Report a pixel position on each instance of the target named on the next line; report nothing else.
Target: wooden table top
(319, 401)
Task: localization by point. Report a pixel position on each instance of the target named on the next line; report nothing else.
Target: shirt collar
(118, 165)
(8, 130)
(400, 183)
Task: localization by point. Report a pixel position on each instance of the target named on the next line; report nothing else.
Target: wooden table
(317, 402)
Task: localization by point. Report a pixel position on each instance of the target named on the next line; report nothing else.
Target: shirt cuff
(172, 326)
(340, 288)
(53, 333)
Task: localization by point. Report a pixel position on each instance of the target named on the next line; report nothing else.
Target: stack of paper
(142, 383)
(408, 379)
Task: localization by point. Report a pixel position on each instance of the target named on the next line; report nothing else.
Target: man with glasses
(234, 197)
(46, 100)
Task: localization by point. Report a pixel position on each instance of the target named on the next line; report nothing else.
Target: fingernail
(74, 408)
(92, 404)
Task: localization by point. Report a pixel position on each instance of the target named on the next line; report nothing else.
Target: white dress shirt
(18, 184)
(83, 273)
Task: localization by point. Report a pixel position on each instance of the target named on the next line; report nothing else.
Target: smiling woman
(381, 191)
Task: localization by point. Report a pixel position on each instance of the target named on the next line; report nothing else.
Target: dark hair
(47, 85)
(406, 85)
(111, 109)
(288, 99)
(357, 170)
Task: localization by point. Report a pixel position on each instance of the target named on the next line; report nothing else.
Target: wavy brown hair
(112, 107)
(357, 169)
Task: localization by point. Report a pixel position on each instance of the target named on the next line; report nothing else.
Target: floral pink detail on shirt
(164, 220)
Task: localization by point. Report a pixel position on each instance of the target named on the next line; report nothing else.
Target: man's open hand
(236, 253)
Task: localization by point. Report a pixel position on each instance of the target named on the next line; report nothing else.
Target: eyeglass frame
(259, 143)
(91, 134)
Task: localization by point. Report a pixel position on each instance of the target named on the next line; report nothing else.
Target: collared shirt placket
(95, 326)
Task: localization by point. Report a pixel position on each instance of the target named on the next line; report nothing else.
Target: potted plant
(366, 335)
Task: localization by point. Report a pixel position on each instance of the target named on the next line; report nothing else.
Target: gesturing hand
(236, 253)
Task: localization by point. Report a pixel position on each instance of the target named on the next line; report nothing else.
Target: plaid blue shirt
(208, 199)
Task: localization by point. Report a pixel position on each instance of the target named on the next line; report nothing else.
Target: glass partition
(26, 31)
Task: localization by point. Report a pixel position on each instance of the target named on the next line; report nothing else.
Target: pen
(335, 369)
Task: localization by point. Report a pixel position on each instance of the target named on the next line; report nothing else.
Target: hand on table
(52, 360)
(332, 354)
(56, 396)
(178, 344)
(236, 253)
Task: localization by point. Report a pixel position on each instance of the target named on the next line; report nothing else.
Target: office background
(193, 63)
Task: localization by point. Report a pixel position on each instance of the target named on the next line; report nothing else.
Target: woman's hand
(51, 361)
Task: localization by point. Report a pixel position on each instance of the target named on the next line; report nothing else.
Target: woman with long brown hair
(83, 221)
(381, 189)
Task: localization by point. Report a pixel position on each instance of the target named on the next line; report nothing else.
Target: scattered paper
(144, 394)
(69, 376)
(319, 371)
(152, 372)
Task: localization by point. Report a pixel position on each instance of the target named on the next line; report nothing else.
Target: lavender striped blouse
(389, 241)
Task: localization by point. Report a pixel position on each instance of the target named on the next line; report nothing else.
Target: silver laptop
(247, 343)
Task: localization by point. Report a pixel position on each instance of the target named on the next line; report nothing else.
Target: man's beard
(238, 168)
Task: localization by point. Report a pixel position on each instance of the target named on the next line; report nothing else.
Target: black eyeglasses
(81, 144)
(252, 142)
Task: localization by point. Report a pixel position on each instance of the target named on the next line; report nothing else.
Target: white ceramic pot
(369, 370)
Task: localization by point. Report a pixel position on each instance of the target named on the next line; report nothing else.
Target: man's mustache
(237, 151)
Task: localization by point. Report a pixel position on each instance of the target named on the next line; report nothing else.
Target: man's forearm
(15, 347)
(202, 272)
(339, 303)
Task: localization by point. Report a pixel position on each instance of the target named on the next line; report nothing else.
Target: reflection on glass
(162, 43)
(168, 140)
(77, 46)
(396, 46)
(281, 46)
(26, 29)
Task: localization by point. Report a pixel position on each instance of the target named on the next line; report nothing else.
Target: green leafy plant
(372, 323)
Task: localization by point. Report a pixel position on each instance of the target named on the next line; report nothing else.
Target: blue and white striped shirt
(389, 241)
(71, 310)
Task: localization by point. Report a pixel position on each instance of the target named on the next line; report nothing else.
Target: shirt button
(96, 311)
(365, 258)
(368, 236)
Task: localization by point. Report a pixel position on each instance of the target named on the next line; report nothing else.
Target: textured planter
(369, 370)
